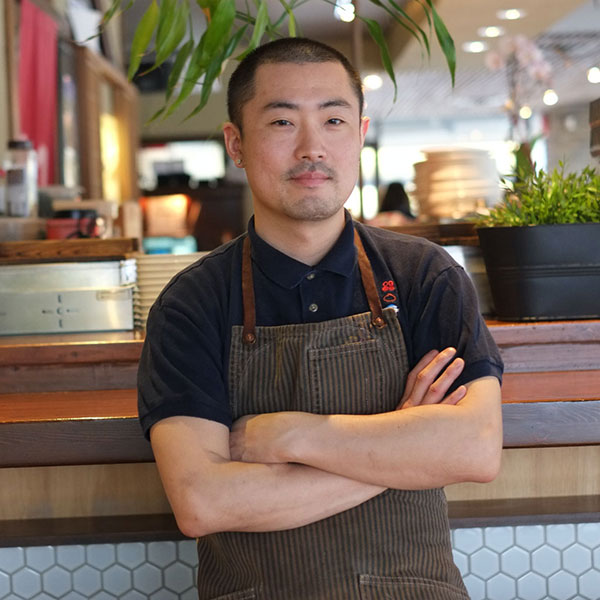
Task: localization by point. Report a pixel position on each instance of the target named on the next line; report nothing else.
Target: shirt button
(313, 307)
(310, 276)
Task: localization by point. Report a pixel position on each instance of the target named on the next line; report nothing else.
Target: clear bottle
(21, 179)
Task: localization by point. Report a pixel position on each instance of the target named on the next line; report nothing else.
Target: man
(301, 415)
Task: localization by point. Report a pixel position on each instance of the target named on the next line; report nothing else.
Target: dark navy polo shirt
(184, 364)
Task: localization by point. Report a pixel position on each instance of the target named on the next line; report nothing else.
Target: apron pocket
(379, 587)
(243, 595)
(349, 379)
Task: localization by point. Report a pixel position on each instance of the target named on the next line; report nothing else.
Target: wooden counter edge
(162, 527)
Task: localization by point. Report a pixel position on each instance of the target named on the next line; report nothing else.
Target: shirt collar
(288, 272)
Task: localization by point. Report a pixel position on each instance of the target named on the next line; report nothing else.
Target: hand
(425, 385)
(256, 438)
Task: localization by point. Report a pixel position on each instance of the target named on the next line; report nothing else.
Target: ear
(233, 142)
(364, 126)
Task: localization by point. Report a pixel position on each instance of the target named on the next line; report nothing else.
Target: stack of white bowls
(154, 271)
(453, 183)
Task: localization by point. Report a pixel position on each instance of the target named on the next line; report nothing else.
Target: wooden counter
(76, 464)
(70, 399)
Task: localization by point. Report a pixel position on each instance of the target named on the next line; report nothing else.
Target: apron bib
(394, 546)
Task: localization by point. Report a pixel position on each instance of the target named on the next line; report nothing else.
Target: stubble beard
(313, 206)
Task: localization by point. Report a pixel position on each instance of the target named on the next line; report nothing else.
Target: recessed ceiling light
(550, 97)
(511, 14)
(344, 11)
(372, 82)
(593, 75)
(475, 47)
(490, 32)
(525, 112)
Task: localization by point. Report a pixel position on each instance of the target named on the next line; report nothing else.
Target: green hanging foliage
(162, 29)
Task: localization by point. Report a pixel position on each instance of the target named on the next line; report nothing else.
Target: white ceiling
(568, 31)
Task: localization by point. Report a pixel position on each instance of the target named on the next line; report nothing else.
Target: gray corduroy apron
(394, 546)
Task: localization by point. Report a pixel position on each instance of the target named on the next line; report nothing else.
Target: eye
(281, 122)
(334, 121)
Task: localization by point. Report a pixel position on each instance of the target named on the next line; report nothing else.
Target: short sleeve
(448, 315)
(181, 369)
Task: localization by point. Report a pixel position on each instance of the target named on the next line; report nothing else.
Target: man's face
(301, 141)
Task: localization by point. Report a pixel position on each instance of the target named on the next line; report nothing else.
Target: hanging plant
(162, 30)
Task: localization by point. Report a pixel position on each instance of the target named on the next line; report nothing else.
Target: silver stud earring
(238, 162)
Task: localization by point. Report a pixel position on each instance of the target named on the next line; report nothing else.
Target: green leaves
(162, 30)
(142, 37)
(377, 34)
(549, 198)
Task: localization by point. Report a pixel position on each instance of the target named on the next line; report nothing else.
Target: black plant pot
(543, 272)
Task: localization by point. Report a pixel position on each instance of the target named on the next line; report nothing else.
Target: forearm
(257, 497)
(416, 448)
(413, 449)
(210, 493)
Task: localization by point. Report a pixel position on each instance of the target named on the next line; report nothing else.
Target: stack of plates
(451, 184)
(154, 271)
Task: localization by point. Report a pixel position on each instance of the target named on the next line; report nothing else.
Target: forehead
(303, 83)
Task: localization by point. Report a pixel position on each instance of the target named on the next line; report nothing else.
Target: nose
(310, 144)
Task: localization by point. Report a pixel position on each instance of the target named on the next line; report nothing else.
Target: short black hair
(284, 50)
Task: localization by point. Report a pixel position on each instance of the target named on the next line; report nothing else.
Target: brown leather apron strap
(249, 331)
(368, 281)
(366, 275)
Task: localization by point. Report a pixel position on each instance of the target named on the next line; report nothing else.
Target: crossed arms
(283, 470)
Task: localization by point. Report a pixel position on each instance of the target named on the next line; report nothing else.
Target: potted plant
(541, 246)
(235, 28)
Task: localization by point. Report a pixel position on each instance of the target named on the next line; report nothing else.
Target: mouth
(311, 177)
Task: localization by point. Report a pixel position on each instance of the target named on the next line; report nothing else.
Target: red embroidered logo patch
(388, 286)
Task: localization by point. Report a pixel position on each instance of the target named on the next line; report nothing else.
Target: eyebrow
(335, 102)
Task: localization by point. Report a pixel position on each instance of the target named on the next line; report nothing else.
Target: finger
(438, 389)
(428, 375)
(456, 396)
(412, 376)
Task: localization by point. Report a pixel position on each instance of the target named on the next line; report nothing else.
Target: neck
(305, 241)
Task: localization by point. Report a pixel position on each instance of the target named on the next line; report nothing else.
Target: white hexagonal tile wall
(4, 584)
(531, 587)
(589, 585)
(545, 560)
(484, 563)
(588, 534)
(164, 595)
(162, 554)
(193, 595)
(461, 560)
(562, 586)
(103, 596)
(12, 559)
(560, 536)
(178, 577)
(475, 587)
(70, 557)
(501, 587)
(40, 558)
(135, 595)
(56, 581)
(577, 559)
(468, 540)
(116, 580)
(498, 538)
(131, 555)
(188, 553)
(529, 537)
(100, 556)
(26, 582)
(515, 562)
(87, 580)
(147, 578)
